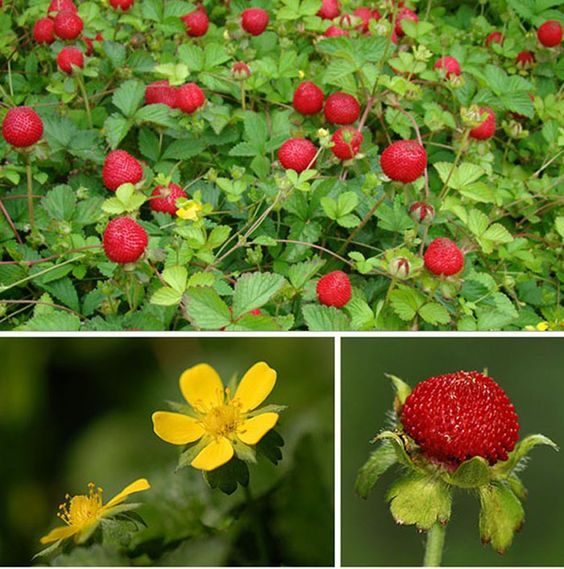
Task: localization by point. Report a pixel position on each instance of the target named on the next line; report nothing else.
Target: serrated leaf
(434, 313)
(129, 96)
(379, 461)
(472, 473)
(254, 290)
(498, 234)
(325, 318)
(166, 296)
(206, 310)
(176, 277)
(116, 128)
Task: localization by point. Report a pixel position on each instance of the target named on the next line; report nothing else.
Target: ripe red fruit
(121, 168)
(341, 108)
(550, 33)
(308, 98)
(68, 25)
(124, 240)
(404, 161)
(449, 64)
(22, 127)
(486, 129)
(329, 10)
(254, 20)
(122, 5)
(196, 22)
(190, 98)
(422, 212)
(69, 56)
(495, 37)
(44, 31)
(335, 32)
(346, 143)
(366, 14)
(404, 14)
(164, 198)
(334, 289)
(443, 257)
(161, 92)
(457, 416)
(525, 58)
(59, 5)
(297, 154)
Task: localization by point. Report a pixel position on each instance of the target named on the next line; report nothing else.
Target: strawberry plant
(202, 165)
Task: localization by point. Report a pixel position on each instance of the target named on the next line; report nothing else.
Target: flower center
(80, 510)
(222, 421)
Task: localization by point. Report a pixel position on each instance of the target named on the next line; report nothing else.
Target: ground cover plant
(296, 164)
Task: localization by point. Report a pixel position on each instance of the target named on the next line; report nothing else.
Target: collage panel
(448, 451)
(209, 451)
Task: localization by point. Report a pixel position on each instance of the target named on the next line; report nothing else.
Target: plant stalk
(82, 87)
(434, 546)
(29, 192)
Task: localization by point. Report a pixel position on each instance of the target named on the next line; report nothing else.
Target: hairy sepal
(522, 448)
(379, 461)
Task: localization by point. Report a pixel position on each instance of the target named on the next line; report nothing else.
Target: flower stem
(29, 192)
(258, 529)
(434, 547)
(82, 87)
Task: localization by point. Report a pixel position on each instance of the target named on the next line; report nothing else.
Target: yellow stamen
(223, 420)
(80, 510)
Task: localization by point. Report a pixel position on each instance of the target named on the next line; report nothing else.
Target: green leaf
(379, 461)
(498, 234)
(434, 313)
(227, 477)
(176, 277)
(206, 310)
(254, 290)
(60, 203)
(406, 302)
(157, 114)
(472, 473)
(402, 388)
(166, 296)
(324, 318)
(183, 149)
(116, 128)
(129, 96)
(300, 273)
(270, 445)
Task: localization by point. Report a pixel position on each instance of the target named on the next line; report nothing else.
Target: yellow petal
(176, 428)
(255, 386)
(252, 430)
(137, 486)
(202, 387)
(59, 533)
(216, 454)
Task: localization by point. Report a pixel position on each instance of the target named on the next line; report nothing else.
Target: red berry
(68, 25)
(334, 289)
(44, 31)
(449, 64)
(254, 20)
(443, 257)
(366, 14)
(240, 70)
(197, 23)
(22, 127)
(457, 416)
(308, 98)
(164, 198)
(59, 5)
(525, 59)
(121, 168)
(297, 154)
(550, 33)
(346, 143)
(161, 92)
(329, 10)
(190, 97)
(486, 129)
(124, 240)
(69, 57)
(495, 37)
(422, 212)
(404, 161)
(335, 32)
(122, 5)
(341, 108)
(89, 43)
(404, 14)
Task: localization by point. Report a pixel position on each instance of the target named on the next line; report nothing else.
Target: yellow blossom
(218, 420)
(83, 513)
(190, 211)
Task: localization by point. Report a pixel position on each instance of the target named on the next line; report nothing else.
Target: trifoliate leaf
(254, 290)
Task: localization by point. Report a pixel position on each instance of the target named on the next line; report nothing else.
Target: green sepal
(227, 477)
(402, 389)
(191, 452)
(268, 409)
(501, 515)
(121, 508)
(48, 550)
(379, 461)
(244, 452)
(471, 473)
(521, 450)
(400, 444)
(183, 408)
(517, 486)
(421, 500)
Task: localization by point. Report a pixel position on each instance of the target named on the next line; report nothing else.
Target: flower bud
(240, 71)
(422, 212)
(399, 267)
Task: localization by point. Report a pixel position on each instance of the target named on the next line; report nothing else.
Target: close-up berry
(44, 31)
(60, 5)
(189, 98)
(330, 9)
(70, 58)
(163, 198)
(308, 98)
(443, 257)
(297, 154)
(124, 240)
(341, 108)
(240, 71)
(486, 129)
(121, 168)
(404, 161)
(161, 92)
(366, 14)
(525, 59)
(496, 37)
(22, 127)
(334, 289)
(335, 32)
(549, 33)
(449, 64)
(197, 23)
(346, 143)
(121, 5)
(68, 25)
(254, 20)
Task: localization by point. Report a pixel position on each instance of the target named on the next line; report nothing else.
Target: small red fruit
(329, 10)
(550, 33)
(449, 64)
(164, 198)
(124, 240)
(525, 59)
(59, 5)
(161, 92)
(297, 154)
(334, 289)
(44, 31)
(197, 23)
(240, 70)
(486, 129)
(68, 25)
(366, 14)
(346, 143)
(335, 32)
(89, 43)
(121, 168)
(190, 98)
(122, 5)
(69, 57)
(457, 416)
(495, 37)
(254, 20)
(404, 14)
(22, 127)
(404, 161)
(341, 108)
(308, 98)
(443, 257)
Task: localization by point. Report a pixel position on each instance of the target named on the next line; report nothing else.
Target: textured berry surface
(254, 21)
(346, 143)
(404, 161)
(457, 416)
(44, 31)
(197, 23)
(443, 257)
(525, 58)
(161, 92)
(335, 32)
(449, 64)
(297, 154)
(189, 98)
(341, 108)
(550, 33)
(122, 5)
(69, 56)
(163, 198)
(496, 37)
(329, 9)
(59, 5)
(334, 289)
(124, 240)
(22, 127)
(308, 98)
(121, 168)
(68, 25)
(486, 129)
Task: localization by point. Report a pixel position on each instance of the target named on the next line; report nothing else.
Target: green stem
(434, 547)
(243, 96)
(258, 529)
(461, 149)
(81, 86)
(29, 192)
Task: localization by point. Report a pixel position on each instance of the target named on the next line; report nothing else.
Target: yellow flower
(83, 513)
(219, 421)
(190, 211)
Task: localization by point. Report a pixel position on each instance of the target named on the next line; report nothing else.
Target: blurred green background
(530, 370)
(78, 410)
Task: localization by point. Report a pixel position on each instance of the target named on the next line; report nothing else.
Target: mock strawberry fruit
(163, 198)
(422, 212)
(197, 23)
(308, 98)
(122, 5)
(366, 14)
(329, 10)
(486, 129)
(240, 71)
(335, 32)
(457, 416)
(449, 64)
(44, 31)
(59, 5)
(297, 154)
(496, 37)
(161, 92)
(341, 108)
(68, 25)
(124, 240)
(525, 59)
(190, 98)
(346, 143)
(404, 161)
(404, 14)
(121, 168)
(68, 58)
(550, 33)
(443, 257)
(22, 127)
(334, 289)
(254, 20)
